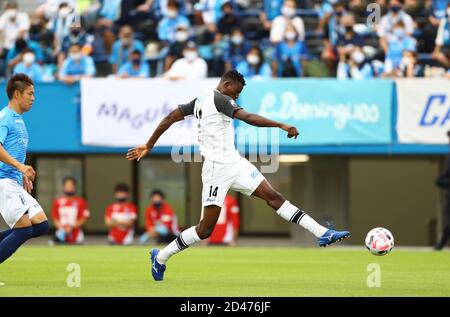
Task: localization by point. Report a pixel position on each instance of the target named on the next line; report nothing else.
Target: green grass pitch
(220, 271)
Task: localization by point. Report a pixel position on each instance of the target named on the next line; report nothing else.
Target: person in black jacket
(443, 181)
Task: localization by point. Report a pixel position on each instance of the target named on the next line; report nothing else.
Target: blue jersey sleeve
(4, 127)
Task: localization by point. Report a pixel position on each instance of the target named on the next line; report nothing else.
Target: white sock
(296, 215)
(184, 240)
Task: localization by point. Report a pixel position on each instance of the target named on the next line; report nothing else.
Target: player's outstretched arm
(260, 121)
(26, 170)
(142, 150)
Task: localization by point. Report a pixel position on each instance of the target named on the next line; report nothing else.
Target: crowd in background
(70, 213)
(67, 40)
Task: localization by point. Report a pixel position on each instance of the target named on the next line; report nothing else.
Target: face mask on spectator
(190, 55)
(69, 193)
(64, 12)
(358, 57)
(288, 12)
(157, 204)
(396, 9)
(237, 39)
(126, 41)
(339, 13)
(399, 33)
(253, 59)
(11, 14)
(290, 36)
(76, 32)
(28, 58)
(121, 199)
(349, 28)
(172, 13)
(136, 61)
(181, 36)
(75, 56)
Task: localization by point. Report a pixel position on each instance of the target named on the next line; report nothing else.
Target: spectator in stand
(14, 25)
(226, 230)
(159, 8)
(289, 55)
(120, 217)
(442, 49)
(123, 46)
(358, 9)
(409, 66)
(15, 54)
(271, 9)
(76, 66)
(77, 36)
(49, 9)
(210, 12)
(435, 12)
(167, 27)
(333, 13)
(136, 67)
(353, 65)
(229, 20)
(397, 42)
(236, 50)
(280, 23)
(69, 213)
(61, 24)
(389, 21)
(161, 223)
(254, 65)
(29, 67)
(191, 66)
(349, 39)
(176, 48)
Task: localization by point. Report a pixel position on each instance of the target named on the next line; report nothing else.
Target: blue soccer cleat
(157, 269)
(332, 236)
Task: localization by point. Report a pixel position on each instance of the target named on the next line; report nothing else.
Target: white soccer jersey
(214, 112)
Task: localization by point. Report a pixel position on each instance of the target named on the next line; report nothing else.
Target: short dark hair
(136, 52)
(69, 179)
(121, 188)
(158, 192)
(18, 82)
(233, 75)
(173, 3)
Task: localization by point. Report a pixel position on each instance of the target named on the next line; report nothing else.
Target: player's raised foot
(332, 236)
(157, 269)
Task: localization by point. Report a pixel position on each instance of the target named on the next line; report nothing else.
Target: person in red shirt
(227, 227)
(161, 222)
(121, 216)
(69, 214)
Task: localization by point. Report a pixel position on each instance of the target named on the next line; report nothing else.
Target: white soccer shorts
(15, 201)
(218, 178)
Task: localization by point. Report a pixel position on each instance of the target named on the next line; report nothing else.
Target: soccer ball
(379, 241)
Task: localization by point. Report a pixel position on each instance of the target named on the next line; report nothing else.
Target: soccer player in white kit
(224, 168)
(19, 209)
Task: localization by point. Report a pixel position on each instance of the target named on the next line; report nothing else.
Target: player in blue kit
(19, 209)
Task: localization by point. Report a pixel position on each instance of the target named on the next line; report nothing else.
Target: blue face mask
(395, 9)
(399, 33)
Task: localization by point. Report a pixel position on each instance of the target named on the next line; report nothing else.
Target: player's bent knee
(204, 232)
